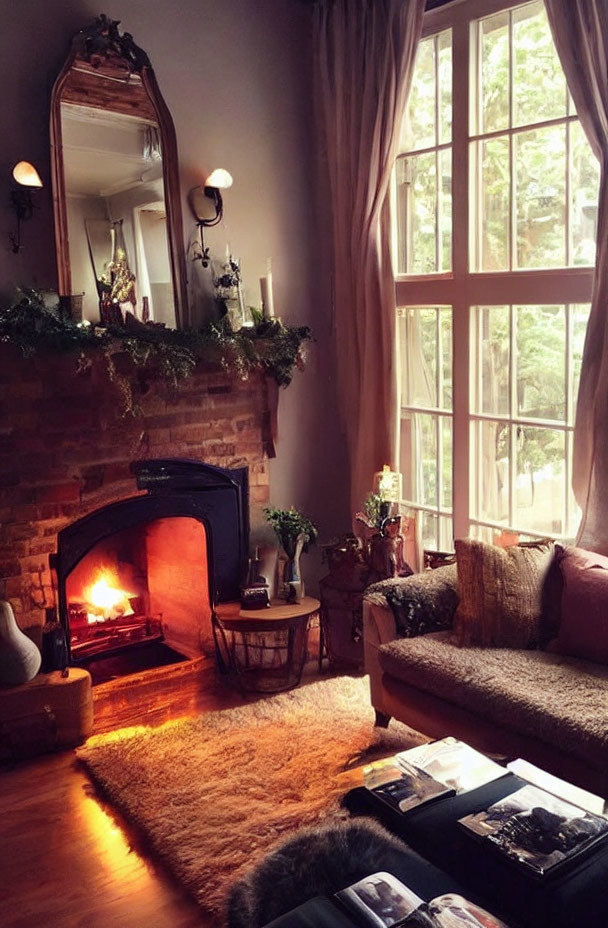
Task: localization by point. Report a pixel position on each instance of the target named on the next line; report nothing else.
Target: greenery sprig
(156, 351)
(288, 524)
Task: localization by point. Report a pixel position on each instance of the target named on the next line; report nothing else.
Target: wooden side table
(265, 649)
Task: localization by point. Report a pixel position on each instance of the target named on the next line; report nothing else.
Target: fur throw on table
(319, 860)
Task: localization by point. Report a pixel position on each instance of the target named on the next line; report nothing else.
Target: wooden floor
(65, 862)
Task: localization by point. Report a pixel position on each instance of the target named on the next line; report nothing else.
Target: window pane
(419, 358)
(584, 193)
(491, 441)
(540, 483)
(580, 318)
(494, 205)
(445, 429)
(539, 85)
(427, 435)
(495, 352)
(574, 510)
(541, 362)
(494, 91)
(445, 323)
(540, 164)
(430, 538)
(445, 210)
(419, 123)
(444, 43)
(446, 534)
(421, 252)
(418, 459)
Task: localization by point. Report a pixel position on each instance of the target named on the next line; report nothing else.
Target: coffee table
(575, 897)
(265, 649)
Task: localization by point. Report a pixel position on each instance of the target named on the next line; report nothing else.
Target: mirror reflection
(117, 229)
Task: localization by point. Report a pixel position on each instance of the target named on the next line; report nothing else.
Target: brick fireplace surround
(66, 447)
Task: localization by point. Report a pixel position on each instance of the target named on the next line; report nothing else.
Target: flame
(107, 597)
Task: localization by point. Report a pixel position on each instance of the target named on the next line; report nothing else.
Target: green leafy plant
(288, 524)
(372, 509)
(156, 351)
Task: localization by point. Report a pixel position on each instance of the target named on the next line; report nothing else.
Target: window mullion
(460, 298)
(568, 221)
(512, 228)
(513, 429)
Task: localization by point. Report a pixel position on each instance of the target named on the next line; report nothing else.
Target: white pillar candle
(267, 300)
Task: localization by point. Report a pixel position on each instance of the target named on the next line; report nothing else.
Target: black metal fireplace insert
(182, 497)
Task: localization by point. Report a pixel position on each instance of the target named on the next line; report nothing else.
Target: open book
(537, 830)
(381, 900)
(428, 772)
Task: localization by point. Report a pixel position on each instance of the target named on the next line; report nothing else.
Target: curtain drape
(580, 32)
(364, 58)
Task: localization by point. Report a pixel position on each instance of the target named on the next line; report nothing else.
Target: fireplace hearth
(146, 571)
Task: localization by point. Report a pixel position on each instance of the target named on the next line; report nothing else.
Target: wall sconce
(207, 205)
(22, 203)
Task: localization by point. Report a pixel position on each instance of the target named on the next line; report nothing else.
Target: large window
(495, 202)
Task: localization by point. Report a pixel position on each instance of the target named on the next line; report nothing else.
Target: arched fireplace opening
(144, 574)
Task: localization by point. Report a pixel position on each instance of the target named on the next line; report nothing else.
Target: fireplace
(150, 568)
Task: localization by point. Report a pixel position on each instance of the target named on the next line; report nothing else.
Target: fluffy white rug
(212, 794)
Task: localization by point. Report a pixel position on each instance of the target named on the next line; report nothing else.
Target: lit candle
(267, 301)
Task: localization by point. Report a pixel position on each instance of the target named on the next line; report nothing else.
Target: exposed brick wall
(66, 446)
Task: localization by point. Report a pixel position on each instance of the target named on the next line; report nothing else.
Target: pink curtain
(365, 51)
(580, 32)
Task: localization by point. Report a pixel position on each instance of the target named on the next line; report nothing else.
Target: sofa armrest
(402, 608)
(424, 602)
(378, 628)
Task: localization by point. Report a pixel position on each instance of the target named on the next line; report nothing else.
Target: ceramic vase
(293, 585)
(20, 659)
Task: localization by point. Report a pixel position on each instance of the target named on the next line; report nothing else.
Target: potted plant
(296, 533)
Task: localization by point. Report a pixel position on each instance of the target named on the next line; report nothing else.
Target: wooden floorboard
(65, 860)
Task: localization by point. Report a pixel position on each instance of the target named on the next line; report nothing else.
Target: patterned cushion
(425, 602)
(501, 593)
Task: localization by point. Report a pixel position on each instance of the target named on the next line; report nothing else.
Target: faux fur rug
(212, 794)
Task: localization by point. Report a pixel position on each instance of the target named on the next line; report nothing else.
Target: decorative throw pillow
(584, 626)
(501, 593)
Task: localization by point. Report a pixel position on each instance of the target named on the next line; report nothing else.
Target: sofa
(547, 707)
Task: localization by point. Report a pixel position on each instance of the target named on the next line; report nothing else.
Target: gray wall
(236, 77)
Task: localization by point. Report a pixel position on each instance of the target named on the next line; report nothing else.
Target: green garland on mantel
(156, 351)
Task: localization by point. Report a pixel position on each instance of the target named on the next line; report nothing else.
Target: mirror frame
(100, 44)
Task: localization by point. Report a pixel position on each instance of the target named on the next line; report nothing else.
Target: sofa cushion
(501, 593)
(558, 700)
(584, 626)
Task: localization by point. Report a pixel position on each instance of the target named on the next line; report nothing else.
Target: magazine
(402, 786)
(560, 788)
(428, 772)
(381, 900)
(453, 763)
(536, 829)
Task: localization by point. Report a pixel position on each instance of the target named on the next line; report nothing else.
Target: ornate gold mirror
(118, 222)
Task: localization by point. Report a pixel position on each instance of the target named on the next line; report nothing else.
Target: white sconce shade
(219, 178)
(26, 174)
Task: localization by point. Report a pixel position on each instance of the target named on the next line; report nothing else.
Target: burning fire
(106, 598)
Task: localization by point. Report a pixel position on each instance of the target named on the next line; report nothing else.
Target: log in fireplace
(151, 567)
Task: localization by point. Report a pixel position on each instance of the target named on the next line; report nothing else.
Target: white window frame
(462, 288)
